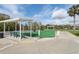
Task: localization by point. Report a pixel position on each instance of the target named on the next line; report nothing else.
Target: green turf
(43, 33)
(47, 33)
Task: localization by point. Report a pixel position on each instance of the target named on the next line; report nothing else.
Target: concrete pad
(65, 43)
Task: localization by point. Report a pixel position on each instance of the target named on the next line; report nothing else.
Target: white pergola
(20, 20)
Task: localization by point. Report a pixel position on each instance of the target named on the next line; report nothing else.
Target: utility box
(1, 35)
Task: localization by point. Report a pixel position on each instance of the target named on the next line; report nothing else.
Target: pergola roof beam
(16, 19)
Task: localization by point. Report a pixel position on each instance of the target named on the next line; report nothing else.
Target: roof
(17, 19)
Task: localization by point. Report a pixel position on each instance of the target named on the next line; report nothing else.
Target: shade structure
(17, 20)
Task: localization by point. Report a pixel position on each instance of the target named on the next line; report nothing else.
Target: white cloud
(59, 13)
(60, 16)
(56, 13)
(44, 15)
(4, 12)
(12, 10)
(46, 11)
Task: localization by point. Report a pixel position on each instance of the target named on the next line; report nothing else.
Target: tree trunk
(74, 25)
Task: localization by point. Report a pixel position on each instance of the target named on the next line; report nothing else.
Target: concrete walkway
(63, 43)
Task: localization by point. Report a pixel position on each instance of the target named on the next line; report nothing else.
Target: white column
(39, 30)
(15, 29)
(20, 30)
(15, 26)
(39, 33)
(30, 29)
(4, 29)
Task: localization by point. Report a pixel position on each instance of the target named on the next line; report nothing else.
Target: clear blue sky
(46, 13)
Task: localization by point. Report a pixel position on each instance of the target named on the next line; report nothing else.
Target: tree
(35, 26)
(77, 9)
(3, 17)
(72, 12)
(9, 26)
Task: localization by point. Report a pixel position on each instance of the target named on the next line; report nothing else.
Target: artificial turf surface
(47, 33)
(43, 33)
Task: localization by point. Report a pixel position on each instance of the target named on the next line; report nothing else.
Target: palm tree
(72, 12)
(77, 9)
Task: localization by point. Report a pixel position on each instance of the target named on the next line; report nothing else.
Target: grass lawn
(75, 32)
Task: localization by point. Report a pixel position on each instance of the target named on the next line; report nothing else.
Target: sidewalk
(65, 43)
(6, 43)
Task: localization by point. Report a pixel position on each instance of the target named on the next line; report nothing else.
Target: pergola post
(15, 26)
(39, 30)
(4, 29)
(15, 29)
(30, 29)
(20, 30)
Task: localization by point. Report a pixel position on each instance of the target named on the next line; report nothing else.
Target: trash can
(1, 35)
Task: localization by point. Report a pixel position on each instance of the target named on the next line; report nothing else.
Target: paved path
(63, 43)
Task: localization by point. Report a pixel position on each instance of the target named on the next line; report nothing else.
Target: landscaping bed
(75, 32)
